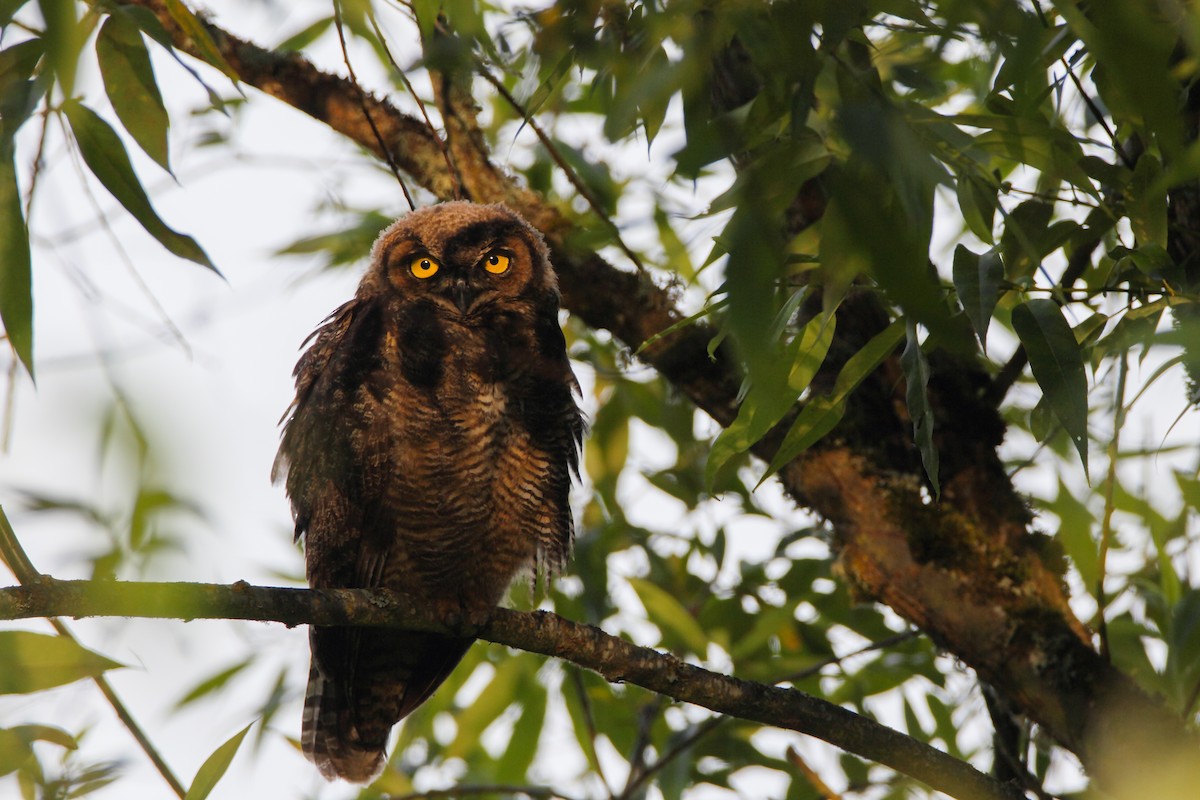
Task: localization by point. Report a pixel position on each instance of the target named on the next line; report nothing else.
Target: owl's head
(463, 256)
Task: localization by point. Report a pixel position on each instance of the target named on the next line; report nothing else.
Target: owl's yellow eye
(497, 263)
(423, 267)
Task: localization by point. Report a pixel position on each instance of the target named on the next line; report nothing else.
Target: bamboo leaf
(977, 201)
(131, 87)
(762, 408)
(977, 280)
(16, 283)
(214, 767)
(523, 744)
(30, 662)
(105, 156)
(916, 374)
(495, 699)
(1057, 365)
(821, 414)
(196, 31)
(16, 744)
(677, 624)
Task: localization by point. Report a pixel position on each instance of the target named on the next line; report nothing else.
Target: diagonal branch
(617, 660)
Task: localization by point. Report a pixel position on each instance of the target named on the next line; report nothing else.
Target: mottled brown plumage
(430, 449)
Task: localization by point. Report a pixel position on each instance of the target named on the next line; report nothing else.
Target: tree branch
(617, 660)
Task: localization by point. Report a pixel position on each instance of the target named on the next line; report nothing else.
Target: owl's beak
(463, 295)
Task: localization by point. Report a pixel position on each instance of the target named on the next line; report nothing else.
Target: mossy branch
(541, 632)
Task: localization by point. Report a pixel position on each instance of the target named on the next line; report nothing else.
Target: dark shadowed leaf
(1057, 365)
(214, 767)
(977, 279)
(30, 662)
(105, 156)
(977, 201)
(131, 87)
(916, 376)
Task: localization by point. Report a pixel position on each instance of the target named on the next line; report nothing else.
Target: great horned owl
(430, 449)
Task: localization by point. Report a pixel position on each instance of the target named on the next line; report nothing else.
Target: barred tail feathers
(324, 739)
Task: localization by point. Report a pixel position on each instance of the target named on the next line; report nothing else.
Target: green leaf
(303, 38)
(763, 408)
(916, 376)
(977, 280)
(821, 414)
(677, 624)
(212, 683)
(198, 33)
(214, 767)
(64, 36)
(16, 280)
(131, 87)
(30, 662)
(977, 201)
(491, 703)
(105, 156)
(1057, 364)
(1075, 534)
(513, 766)
(16, 744)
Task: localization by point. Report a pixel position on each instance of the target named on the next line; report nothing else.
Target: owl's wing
(556, 425)
(335, 453)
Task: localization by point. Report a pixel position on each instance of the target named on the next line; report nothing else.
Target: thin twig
(796, 760)
(678, 749)
(22, 568)
(882, 644)
(710, 725)
(637, 760)
(362, 101)
(451, 168)
(570, 173)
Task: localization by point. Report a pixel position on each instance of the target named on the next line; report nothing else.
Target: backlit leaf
(763, 408)
(30, 662)
(131, 87)
(196, 31)
(822, 413)
(105, 156)
(677, 624)
(16, 744)
(214, 767)
(16, 285)
(1057, 365)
